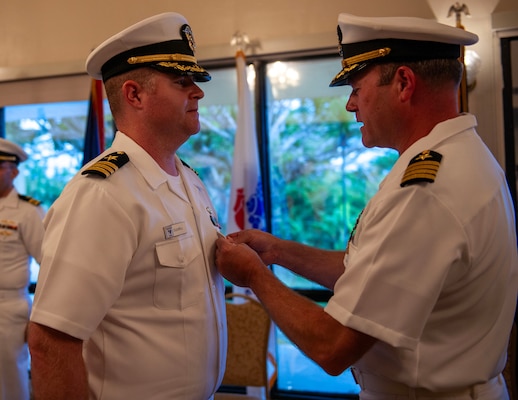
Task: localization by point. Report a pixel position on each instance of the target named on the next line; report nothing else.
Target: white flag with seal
(246, 206)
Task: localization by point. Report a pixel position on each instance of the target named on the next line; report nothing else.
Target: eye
(184, 81)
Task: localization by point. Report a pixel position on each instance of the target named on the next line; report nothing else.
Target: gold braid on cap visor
(161, 57)
(370, 55)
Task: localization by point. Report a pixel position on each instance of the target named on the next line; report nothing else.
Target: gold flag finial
(240, 41)
(458, 10)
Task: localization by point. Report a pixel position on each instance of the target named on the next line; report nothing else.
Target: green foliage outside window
(210, 153)
(322, 175)
(54, 144)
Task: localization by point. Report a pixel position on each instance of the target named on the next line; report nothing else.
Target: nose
(198, 93)
(350, 105)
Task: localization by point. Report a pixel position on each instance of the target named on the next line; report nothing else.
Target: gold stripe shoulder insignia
(29, 199)
(191, 168)
(422, 168)
(107, 165)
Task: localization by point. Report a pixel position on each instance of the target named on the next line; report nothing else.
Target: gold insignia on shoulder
(29, 199)
(422, 168)
(107, 165)
(191, 168)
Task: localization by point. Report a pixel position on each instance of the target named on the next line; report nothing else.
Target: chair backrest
(248, 334)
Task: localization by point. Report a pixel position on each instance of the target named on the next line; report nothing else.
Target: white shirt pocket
(179, 273)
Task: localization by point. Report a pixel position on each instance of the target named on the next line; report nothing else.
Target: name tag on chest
(175, 230)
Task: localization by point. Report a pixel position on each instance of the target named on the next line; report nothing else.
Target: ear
(132, 93)
(405, 80)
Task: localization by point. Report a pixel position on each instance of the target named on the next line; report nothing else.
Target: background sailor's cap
(164, 42)
(363, 41)
(10, 151)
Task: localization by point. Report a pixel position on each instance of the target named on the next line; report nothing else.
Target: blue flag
(94, 135)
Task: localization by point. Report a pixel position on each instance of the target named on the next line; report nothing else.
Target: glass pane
(321, 178)
(210, 152)
(53, 136)
(297, 373)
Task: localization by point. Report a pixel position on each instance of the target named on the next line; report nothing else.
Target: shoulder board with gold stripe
(107, 165)
(188, 166)
(29, 199)
(422, 168)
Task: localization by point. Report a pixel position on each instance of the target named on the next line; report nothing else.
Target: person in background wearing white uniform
(425, 293)
(21, 234)
(129, 304)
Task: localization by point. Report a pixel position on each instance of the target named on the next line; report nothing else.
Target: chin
(365, 141)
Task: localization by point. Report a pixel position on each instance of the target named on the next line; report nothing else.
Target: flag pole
(458, 9)
(246, 206)
(246, 201)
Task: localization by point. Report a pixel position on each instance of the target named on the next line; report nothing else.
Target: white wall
(54, 37)
(42, 32)
(485, 99)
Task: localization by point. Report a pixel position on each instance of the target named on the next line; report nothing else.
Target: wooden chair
(249, 361)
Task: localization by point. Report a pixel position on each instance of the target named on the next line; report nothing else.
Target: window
(210, 152)
(318, 174)
(321, 177)
(52, 134)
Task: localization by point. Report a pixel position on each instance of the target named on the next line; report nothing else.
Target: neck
(162, 151)
(5, 192)
(425, 113)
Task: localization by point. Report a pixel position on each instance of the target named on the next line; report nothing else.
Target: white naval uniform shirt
(128, 267)
(21, 234)
(432, 269)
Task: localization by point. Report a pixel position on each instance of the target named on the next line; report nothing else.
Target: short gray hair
(143, 76)
(435, 72)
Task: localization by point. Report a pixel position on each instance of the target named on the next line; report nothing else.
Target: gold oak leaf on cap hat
(164, 42)
(363, 41)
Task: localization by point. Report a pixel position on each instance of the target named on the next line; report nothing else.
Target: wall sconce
(283, 76)
(472, 63)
